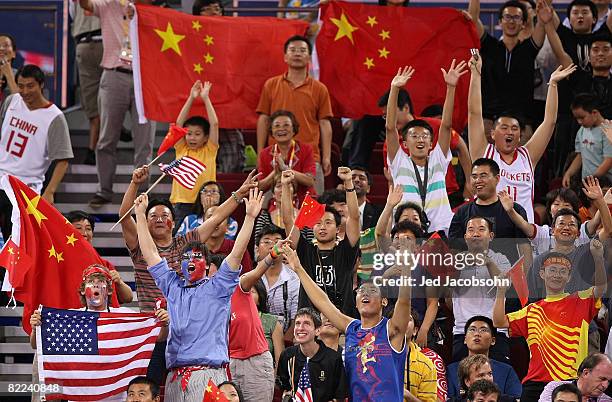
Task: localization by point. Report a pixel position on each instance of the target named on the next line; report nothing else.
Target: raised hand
(140, 175)
(591, 188)
(561, 73)
(205, 91)
(451, 77)
(475, 61)
(506, 201)
(287, 177)
(402, 77)
(249, 183)
(115, 277)
(544, 11)
(608, 196)
(345, 174)
(395, 195)
(254, 203)
(162, 317)
(141, 204)
(36, 319)
(196, 89)
(291, 257)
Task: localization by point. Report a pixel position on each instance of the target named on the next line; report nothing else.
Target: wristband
(349, 190)
(269, 264)
(275, 252)
(235, 197)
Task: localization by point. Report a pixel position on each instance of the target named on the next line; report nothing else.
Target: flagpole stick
(133, 206)
(155, 160)
(290, 232)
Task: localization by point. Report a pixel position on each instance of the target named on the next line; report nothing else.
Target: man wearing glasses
(480, 337)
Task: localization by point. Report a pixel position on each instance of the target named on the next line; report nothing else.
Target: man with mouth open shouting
(199, 305)
(375, 348)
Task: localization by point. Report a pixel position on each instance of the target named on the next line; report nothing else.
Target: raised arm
(545, 15)
(463, 154)
(248, 280)
(253, 206)
(383, 226)
(353, 229)
(593, 191)
(402, 77)
(401, 313)
(599, 279)
(194, 93)
(315, 294)
(539, 141)
(326, 141)
(516, 218)
(287, 207)
(539, 33)
(210, 112)
(147, 245)
(451, 77)
(474, 11)
(477, 139)
(225, 210)
(128, 226)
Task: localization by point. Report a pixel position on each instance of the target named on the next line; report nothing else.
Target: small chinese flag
(369, 43)
(437, 265)
(517, 276)
(212, 393)
(174, 135)
(16, 262)
(310, 213)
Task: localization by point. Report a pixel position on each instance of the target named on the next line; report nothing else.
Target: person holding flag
(201, 142)
(330, 263)
(199, 305)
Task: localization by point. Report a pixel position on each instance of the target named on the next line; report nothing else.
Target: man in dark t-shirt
(329, 262)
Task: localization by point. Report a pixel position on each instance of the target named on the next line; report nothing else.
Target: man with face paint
(95, 292)
(199, 305)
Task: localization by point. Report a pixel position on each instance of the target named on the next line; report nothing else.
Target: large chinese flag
(361, 47)
(53, 254)
(237, 55)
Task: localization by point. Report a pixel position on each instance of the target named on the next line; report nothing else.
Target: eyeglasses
(481, 330)
(299, 50)
(209, 192)
(515, 18)
(418, 136)
(267, 242)
(367, 291)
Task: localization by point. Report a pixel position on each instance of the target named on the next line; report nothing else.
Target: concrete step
(120, 188)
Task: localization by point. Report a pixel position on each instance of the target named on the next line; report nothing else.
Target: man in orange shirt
(305, 97)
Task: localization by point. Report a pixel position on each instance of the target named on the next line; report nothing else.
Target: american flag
(185, 170)
(304, 390)
(90, 355)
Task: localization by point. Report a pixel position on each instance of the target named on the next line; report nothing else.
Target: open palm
(561, 73)
(402, 77)
(451, 77)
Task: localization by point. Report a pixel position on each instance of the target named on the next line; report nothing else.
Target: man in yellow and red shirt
(556, 327)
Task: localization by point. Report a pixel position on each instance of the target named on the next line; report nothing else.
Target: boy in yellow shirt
(201, 142)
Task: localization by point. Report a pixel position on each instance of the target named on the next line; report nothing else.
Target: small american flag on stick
(185, 171)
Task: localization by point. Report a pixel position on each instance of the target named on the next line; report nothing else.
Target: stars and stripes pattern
(185, 171)
(93, 355)
(304, 388)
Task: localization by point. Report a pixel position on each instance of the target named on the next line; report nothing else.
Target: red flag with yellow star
(213, 394)
(360, 48)
(16, 262)
(53, 254)
(310, 213)
(237, 55)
